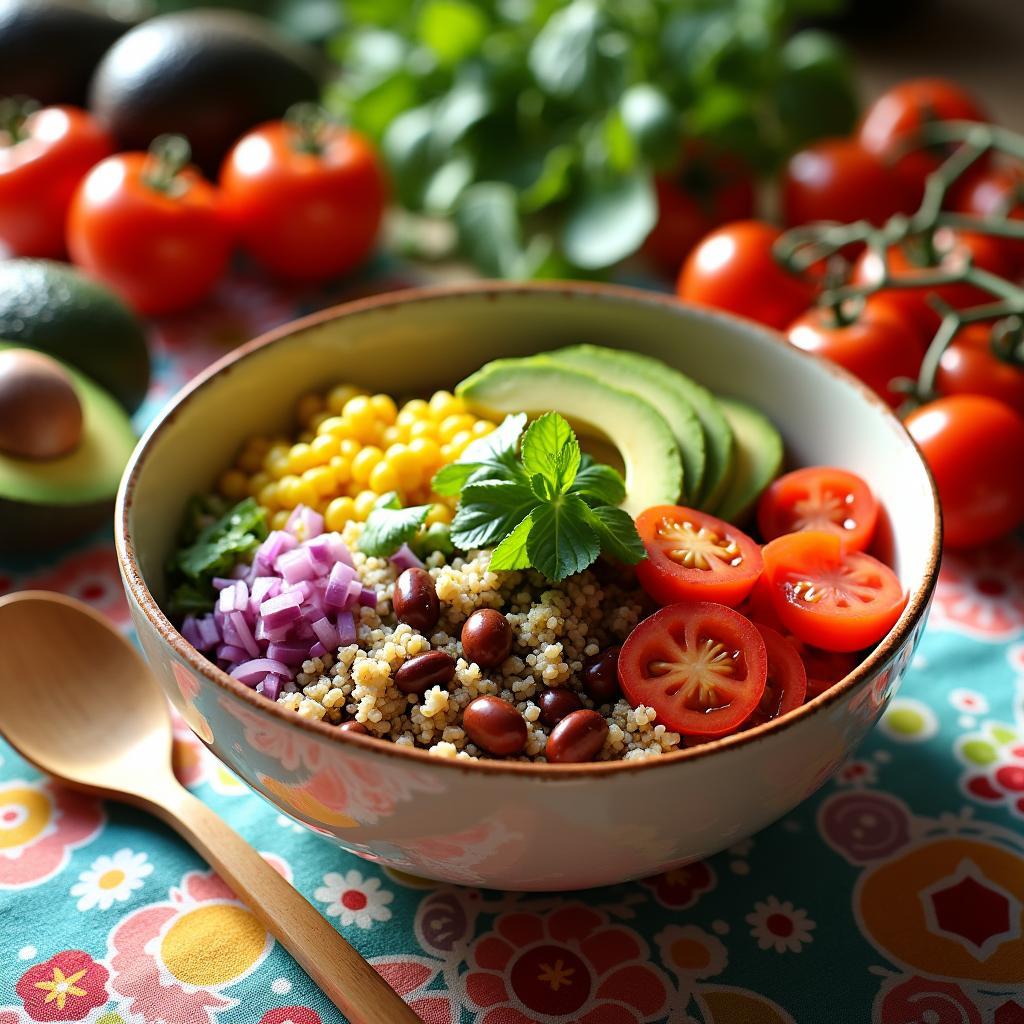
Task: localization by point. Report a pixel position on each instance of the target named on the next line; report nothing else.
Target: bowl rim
(139, 592)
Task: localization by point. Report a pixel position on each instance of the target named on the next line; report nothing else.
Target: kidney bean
(422, 671)
(354, 726)
(577, 737)
(415, 600)
(556, 704)
(494, 725)
(486, 638)
(601, 677)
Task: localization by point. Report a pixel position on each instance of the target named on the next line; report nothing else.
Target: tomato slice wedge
(826, 668)
(692, 556)
(834, 600)
(785, 687)
(819, 498)
(702, 667)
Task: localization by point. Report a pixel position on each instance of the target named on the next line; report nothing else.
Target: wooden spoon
(79, 703)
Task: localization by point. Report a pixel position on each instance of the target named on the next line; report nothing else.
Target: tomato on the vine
(952, 251)
(878, 346)
(970, 367)
(973, 445)
(997, 193)
(44, 154)
(734, 269)
(891, 124)
(701, 666)
(839, 180)
(785, 687)
(694, 556)
(306, 196)
(706, 190)
(151, 228)
(837, 600)
(819, 498)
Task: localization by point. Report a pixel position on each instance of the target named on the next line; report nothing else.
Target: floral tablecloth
(895, 895)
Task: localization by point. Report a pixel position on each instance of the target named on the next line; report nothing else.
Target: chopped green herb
(389, 526)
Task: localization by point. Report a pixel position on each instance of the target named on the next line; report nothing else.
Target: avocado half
(48, 502)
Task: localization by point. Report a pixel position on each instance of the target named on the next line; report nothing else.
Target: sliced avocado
(654, 472)
(758, 458)
(660, 385)
(51, 307)
(50, 501)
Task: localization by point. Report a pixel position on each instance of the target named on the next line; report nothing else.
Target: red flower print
(92, 577)
(409, 976)
(68, 986)
(982, 593)
(994, 762)
(571, 963)
(291, 1015)
(911, 1000)
(682, 887)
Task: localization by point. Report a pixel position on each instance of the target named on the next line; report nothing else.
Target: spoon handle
(342, 974)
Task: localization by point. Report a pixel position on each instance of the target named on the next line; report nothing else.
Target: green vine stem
(803, 247)
(169, 155)
(14, 112)
(310, 124)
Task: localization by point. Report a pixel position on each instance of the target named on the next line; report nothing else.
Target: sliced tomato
(702, 667)
(819, 498)
(692, 556)
(826, 668)
(785, 687)
(840, 601)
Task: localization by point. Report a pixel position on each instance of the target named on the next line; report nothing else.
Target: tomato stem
(309, 122)
(169, 155)
(14, 112)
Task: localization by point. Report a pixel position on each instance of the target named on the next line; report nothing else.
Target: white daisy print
(780, 926)
(111, 879)
(354, 899)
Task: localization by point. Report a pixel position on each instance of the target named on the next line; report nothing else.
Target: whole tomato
(151, 227)
(972, 444)
(44, 154)
(306, 197)
(952, 250)
(734, 269)
(970, 367)
(705, 190)
(878, 346)
(892, 122)
(997, 193)
(839, 180)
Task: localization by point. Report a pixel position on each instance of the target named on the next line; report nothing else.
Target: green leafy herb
(552, 508)
(389, 526)
(492, 457)
(212, 547)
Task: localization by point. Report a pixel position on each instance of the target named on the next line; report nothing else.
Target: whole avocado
(49, 48)
(209, 75)
(51, 307)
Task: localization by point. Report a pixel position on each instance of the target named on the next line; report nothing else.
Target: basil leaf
(610, 220)
(600, 484)
(489, 511)
(550, 450)
(511, 552)
(561, 541)
(495, 452)
(618, 534)
(389, 526)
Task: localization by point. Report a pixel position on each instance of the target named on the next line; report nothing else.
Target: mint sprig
(551, 507)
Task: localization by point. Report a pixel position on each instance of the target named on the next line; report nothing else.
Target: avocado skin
(27, 526)
(49, 48)
(50, 307)
(211, 75)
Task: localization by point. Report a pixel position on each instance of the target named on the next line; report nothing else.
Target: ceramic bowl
(490, 823)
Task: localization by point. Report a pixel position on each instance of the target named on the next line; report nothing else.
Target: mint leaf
(551, 450)
(511, 552)
(599, 484)
(618, 534)
(489, 511)
(562, 542)
(495, 452)
(389, 526)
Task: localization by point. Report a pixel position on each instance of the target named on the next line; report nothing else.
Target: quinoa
(555, 629)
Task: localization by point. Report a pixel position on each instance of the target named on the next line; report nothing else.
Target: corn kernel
(393, 434)
(383, 479)
(306, 436)
(460, 440)
(234, 484)
(307, 407)
(426, 451)
(277, 467)
(415, 409)
(269, 496)
(448, 453)
(321, 479)
(307, 493)
(452, 425)
(257, 482)
(288, 491)
(339, 512)
(342, 470)
(335, 426)
(250, 459)
(423, 428)
(364, 502)
(383, 407)
(363, 463)
(404, 463)
(279, 519)
(323, 447)
(300, 459)
(439, 514)
(444, 403)
(276, 451)
(318, 419)
(337, 397)
(481, 428)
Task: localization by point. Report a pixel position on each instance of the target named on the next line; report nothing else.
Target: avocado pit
(40, 413)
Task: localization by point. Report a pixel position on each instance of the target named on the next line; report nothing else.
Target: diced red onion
(346, 630)
(305, 523)
(277, 543)
(264, 587)
(405, 558)
(240, 571)
(291, 652)
(244, 633)
(368, 597)
(281, 610)
(336, 593)
(326, 633)
(209, 633)
(253, 671)
(190, 631)
(317, 650)
(264, 634)
(270, 687)
(229, 652)
(296, 566)
(338, 548)
(220, 582)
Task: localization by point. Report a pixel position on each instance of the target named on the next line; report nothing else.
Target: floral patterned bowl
(518, 825)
